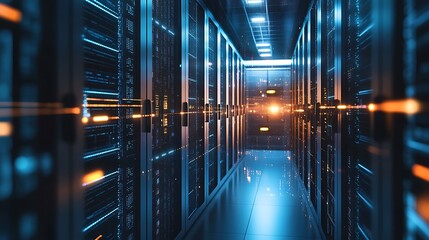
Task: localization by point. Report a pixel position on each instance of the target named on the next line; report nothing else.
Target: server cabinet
(229, 104)
(212, 108)
(416, 140)
(111, 113)
(357, 77)
(223, 110)
(165, 185)
(196, 91)
(40, 165)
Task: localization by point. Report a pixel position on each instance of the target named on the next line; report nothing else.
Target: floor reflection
(262, 200)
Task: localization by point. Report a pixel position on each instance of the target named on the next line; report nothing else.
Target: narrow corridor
(261, 200)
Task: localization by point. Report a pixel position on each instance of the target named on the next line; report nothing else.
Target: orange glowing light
(75, 111)
(271, 91)
(99, 237)
(342, 107)
(137, 116)
(323, 107)
(274, 109)
(371, 107)
(264, 129)
(422, 206)
(5, 129)
(92, 177)
(421, 172)
(10, 14)
(85, 120)
(407, 106)
(100, 119)
(300, 110)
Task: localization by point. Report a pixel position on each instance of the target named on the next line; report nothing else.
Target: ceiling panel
(281, 26)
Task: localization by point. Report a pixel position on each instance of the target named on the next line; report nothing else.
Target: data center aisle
(261, 200)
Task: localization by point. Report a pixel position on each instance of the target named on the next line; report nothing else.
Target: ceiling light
(263, 45)
(253, 1)
(264, 50)
(257, 19)
(265, 54)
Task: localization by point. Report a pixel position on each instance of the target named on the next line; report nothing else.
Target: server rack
(223, 107)
(416, 140)
(212, 107)
(39, 125)
(358, 194)
(207, 64)
(111, 102)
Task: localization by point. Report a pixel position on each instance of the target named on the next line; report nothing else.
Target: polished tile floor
(261, 200)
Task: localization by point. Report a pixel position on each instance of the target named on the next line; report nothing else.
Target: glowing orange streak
(92, 177)
(5, 129)
(407, 106)
(30, 105)
(37, 112)
(99, 237)
(10, 14)
(111, 105)
(421, 172)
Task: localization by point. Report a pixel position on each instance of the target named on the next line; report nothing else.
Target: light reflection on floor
(261, 200)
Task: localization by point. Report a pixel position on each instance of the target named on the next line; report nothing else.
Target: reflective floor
(261, 200)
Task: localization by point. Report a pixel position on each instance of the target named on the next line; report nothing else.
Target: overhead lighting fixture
(263, 45)
(265, 55)
(254, 1)
(271, 91)
(264, 50)
(257, 19)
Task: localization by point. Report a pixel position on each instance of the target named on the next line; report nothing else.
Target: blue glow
(25, 165)
(100, 93)
(99, 44)
(366, 169)
(366, 30)
(28, 225)
(100, 153)
(102, 8)
(418, 146)
(99, 220)
(363, 232)
(366, 201)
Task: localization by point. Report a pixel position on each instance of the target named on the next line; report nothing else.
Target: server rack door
(236, 111)
(223, 108)
(229, 105)
(39, 137)
(165, 159)
(314, 106)
(111, 109)
(196, 163)
(357, 70)
(388, 57)
(416, 154)
(212, 66)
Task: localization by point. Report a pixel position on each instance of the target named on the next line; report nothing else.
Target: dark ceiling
(285, 18)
